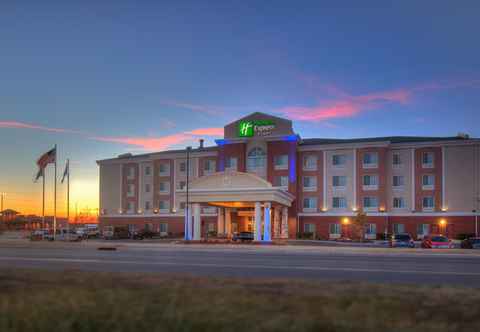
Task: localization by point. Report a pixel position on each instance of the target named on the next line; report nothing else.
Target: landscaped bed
(87, 301)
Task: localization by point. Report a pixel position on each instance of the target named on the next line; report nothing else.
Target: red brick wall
(318, 173)
(237, 150)
(420, 171)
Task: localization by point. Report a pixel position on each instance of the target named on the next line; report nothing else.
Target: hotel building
(263, 177)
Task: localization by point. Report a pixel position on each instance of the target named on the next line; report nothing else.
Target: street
(457, 267)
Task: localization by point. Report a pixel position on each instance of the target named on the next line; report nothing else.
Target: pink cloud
(212, 110)
(145, 143)
(344, 105)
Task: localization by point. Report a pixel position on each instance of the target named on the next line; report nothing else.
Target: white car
(64, 235)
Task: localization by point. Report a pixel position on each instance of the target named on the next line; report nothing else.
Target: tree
(359, 224)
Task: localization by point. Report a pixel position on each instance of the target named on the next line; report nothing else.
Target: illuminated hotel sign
(255, 128)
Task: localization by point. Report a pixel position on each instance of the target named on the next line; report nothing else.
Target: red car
(437, 242)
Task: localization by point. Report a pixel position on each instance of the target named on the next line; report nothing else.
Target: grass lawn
(83, 301)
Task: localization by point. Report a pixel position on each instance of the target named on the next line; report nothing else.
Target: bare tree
(359, 224)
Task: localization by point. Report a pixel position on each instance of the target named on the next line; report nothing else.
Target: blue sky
(123, 75)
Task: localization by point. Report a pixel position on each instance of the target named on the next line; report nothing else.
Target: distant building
(263, 177)
(8, 214)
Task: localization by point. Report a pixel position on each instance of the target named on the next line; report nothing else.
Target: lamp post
(1, 208)
(476, 222)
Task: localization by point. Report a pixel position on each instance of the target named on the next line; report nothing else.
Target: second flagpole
(55, 196)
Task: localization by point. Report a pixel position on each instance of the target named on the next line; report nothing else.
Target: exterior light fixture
(346, 221)
(120, 211)
(443, 222)
(324, 209)
(155, 211)
(444, 209)
(354, 209)
(139, 211)
(382, 209)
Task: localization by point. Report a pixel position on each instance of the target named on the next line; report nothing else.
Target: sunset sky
(134, 76)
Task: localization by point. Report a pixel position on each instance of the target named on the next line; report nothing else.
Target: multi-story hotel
(263, 177)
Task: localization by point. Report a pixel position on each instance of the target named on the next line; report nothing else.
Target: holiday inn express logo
(255, 128)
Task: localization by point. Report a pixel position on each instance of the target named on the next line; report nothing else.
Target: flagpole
(68, 198)
(43, 198)
(55, 196)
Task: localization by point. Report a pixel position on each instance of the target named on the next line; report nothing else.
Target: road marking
(237, 266)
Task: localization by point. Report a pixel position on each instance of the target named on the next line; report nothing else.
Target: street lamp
(442, 225)
(382, 210)
(2, 195)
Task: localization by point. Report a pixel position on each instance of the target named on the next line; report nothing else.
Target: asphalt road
(457, 267)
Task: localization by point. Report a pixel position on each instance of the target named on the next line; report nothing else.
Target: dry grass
(82, 301)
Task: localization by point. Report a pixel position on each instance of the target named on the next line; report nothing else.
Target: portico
(244, 201)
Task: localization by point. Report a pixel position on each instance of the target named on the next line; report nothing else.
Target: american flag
(47, 158)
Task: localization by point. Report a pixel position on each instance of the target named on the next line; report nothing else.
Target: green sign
(255, 128)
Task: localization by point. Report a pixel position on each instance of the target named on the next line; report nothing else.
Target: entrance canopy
(235, 189)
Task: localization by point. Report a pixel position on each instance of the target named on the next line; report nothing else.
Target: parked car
(436, 242)
(64, 235)
(145, 234)
(471, 243)
(401, 241)
(39, 234)
(242, 236)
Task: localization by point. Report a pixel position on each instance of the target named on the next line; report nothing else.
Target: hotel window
(370, 229)
(370, 203)
(339, 181)
(399, 203)
(370, 160)
(164, 170)
(309, 204)
(181, 185)
(309, 228)
(309, 183)
(131, 190)
(281, 161)
(335, 229)
(428, 203)
(163, 228)
(256, 158)
(163, 206)
(423, 229)
(183, 166)
(427, 159)
(130, 207)
(398, 181)
(147, 187)
(339, 202)
(398, 228)
(164, 187)
(339, 160)
(370, 182)
(131, 173)
(148, 170)
(147, 205)
(310, 163)
(396, 160)
(209, 166)
(231, 163)
(281, 181)
(428, 182)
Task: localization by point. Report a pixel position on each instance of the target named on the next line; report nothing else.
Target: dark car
(243, 236)
(145, 234)
(402, 240)
(471, 243)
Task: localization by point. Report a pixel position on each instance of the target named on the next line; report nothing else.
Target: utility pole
(1, 209)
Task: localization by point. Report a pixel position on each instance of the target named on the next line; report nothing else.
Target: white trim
(158, 155)
(149, 215)
(443, 177)
(354, 205)
(412, 189)
(391, 214)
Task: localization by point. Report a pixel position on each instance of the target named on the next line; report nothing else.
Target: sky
(104, 78)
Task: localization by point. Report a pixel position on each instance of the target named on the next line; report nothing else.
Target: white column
(220, 221)
(197, 222)
(284, 223)
(325, 198)
(258, 221)
(443, 178)
(276, 222)
(228, 222)
(188, 223)
(267, 227)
